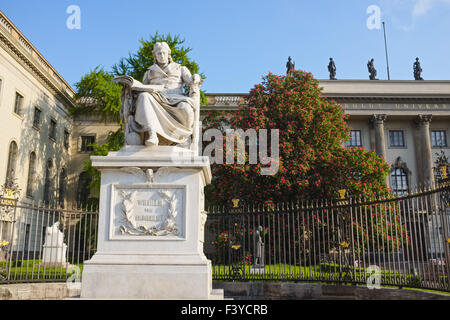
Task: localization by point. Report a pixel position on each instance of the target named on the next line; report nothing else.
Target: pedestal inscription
(148, 212)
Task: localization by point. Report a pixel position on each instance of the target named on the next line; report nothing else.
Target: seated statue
(156, 111)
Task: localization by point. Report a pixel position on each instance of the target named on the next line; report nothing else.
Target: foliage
(97, 93)
(313, 162)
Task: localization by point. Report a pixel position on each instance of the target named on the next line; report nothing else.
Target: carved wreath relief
(149, 211)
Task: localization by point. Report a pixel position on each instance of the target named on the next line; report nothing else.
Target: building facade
(35, 127)
(35, 122)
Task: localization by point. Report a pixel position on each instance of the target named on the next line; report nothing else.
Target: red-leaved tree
(313, 160)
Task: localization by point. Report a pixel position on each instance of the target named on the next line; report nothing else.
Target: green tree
(96, 93)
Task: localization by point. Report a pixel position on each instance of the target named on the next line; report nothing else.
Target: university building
(44, 147)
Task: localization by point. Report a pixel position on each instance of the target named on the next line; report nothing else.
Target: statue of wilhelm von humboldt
(152, 217)
(156, 111)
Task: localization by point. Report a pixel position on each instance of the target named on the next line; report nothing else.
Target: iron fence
(44, 243)
(404, 241)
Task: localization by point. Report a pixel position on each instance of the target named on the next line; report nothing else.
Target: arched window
(399, 182)
(48, 180)
(12, 161)
(31, 175)
(62, 186)
(83, 188)
(399, 177)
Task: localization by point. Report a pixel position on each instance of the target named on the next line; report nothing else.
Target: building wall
(88, 125)
(16, 78)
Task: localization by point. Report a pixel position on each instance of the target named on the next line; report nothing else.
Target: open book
(136, 85)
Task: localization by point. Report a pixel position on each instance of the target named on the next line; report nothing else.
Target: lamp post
(9, 194)
(441, 173)
(343, 243)
(235, 208)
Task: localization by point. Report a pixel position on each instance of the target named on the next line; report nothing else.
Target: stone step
(216, 294)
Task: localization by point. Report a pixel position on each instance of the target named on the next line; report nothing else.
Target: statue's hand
(196, 79)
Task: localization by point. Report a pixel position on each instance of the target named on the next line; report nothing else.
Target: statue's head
(417, 59)
(161, 52)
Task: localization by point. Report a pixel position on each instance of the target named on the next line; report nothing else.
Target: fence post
(445, 234)
(11, 245)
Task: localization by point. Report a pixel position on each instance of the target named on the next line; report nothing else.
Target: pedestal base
(150, 237)
(172, 277)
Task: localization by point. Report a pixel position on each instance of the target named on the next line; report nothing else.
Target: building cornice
(357, 91)
(23, 51)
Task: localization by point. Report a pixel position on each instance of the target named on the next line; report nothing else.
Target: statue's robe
(162, 111)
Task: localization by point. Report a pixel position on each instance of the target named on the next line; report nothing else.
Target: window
(37, 118)
(438, 138)
(86, 142)
(62, 187)
(27, 237)
(83, 189)
(12, 162)
(399, 181)
(66, 139)
(396, 138)
(31, 175)
(355, 139)
(18, 104)
(48, 182)
(52, 132)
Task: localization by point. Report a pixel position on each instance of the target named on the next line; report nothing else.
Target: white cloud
(421, 7)
(407, 13)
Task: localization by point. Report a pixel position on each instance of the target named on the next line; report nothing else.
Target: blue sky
(236, 42)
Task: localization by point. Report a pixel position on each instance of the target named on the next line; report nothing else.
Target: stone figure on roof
(289, 66)
(417, 70)
(332, 69)
(372, 70)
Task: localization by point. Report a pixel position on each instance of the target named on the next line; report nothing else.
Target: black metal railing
(403, 240)
(44, 243)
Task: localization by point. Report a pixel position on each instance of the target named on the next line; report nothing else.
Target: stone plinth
(150, 238)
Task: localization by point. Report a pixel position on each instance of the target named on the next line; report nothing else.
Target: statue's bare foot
(152, 141)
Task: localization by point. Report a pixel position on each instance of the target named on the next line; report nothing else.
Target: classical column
(380, 142)
(423, 152)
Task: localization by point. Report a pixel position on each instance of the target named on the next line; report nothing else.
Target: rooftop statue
(289, 66)
(372, 70)
(157, 111)
(332, 69)
(417, 70)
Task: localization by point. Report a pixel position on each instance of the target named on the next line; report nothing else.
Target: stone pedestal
(150, 238)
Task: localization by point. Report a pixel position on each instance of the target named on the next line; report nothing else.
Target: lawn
(23, 270)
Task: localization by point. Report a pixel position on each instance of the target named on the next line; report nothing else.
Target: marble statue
(157, 111)
(332, 69)
(372, 70)
(54, 248)
(417, 70)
